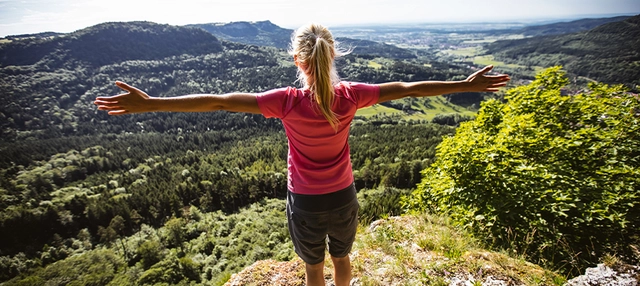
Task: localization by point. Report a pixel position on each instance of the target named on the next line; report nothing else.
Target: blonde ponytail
(314, 49)
(320, 64)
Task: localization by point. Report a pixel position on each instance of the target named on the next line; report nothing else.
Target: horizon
(65, 16)
(527, 22)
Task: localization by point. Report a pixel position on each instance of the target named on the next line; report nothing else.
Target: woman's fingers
(485, 69)
(125, 86)
(498, 77)
(108, 100)
(111, 97)
(118, 112)
(103, 102)
(106, 107)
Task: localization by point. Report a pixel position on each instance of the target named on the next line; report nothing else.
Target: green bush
(552, 176)
(150, 252)
(95, 267)
(379, 203)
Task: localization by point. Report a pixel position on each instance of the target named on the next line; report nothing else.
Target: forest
(194, 197)
(69, 170)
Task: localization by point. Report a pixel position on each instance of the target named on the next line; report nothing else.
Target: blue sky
(32, 16)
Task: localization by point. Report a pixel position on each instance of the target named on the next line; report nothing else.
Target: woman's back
(318, 154)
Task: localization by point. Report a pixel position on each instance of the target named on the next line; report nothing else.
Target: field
(477, 56)
(438, 106)
(374, 65)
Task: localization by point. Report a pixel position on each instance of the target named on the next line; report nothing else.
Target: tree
(107, 235)
(117, 224)
(175, 235)
(150, 252)
(552, 176)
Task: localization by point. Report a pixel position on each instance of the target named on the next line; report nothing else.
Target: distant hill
(365, 47)
(37, 35)
(568, 27)
(607, 53)
(265, 33)
(109, 43)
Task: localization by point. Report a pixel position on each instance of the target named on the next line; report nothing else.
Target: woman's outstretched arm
(476, 82)
(137, 101)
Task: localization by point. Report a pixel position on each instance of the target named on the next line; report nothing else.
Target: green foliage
(377, 162)
(149, 177)
(167, 271)
(379, 203)
(233, 242)
(552, 176)
(175, 232)
(171, 270)
(150, 252)
(211, 248)
(96, 267)
(450, 119)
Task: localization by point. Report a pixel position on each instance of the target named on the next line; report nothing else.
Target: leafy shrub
(96, 267)
(554, 177)
(380, 202)
(233, 242)
(150, 252)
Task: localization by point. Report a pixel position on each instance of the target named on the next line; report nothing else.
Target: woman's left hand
(480, 82)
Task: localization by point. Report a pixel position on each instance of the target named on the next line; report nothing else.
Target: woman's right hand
(133, 101)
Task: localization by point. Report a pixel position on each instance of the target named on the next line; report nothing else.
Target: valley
(191, 198)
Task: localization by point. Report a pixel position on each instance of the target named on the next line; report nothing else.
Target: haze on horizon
(34, 16)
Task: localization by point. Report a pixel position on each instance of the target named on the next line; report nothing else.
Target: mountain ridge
(108, 43)
(607, 53)
(568, 26)
(265, 33)
(262, 33)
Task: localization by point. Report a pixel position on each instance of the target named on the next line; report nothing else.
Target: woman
(321, 202)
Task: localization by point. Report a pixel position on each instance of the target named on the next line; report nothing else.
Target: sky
(34, 16)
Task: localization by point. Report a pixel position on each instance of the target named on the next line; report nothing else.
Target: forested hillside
(108, 43)
(48, 90)
(71, 174)
(262, 33)
(607, 53)
(156, 198)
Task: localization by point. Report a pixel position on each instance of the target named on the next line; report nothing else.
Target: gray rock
(603, 275)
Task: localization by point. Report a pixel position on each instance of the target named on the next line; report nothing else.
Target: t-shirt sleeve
(272, 103)
(365, 94)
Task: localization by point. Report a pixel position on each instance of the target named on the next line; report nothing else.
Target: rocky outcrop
(604, 275)
(409, 250)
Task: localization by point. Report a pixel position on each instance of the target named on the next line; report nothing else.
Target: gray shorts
(316, 221)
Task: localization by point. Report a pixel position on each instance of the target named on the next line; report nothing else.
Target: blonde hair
(314, 49)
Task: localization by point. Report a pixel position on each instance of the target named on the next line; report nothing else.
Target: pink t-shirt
(318, 161)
